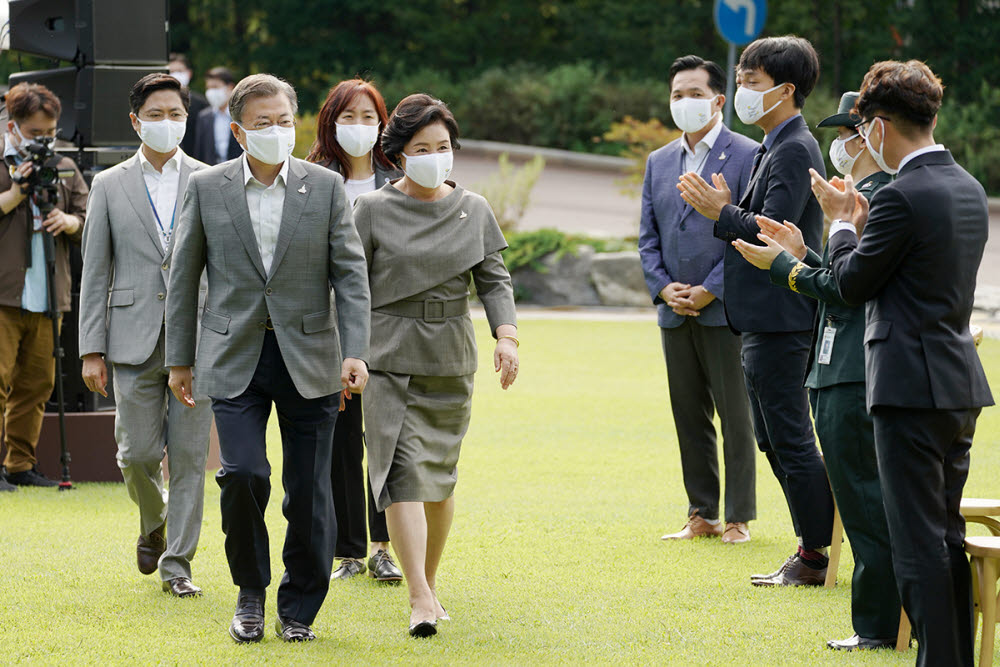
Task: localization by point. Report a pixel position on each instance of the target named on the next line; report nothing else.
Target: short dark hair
(909, 91)
(260, 85)
(26, 99)
(151, 83)
(180, 58)
(411, 115)
(716, 77)
(222, 74)
(787, 59)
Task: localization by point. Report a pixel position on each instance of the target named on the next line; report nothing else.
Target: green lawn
(567, 482)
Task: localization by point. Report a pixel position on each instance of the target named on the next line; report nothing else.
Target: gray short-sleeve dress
(422, 259)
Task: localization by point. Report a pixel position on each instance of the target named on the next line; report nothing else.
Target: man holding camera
(27, 364)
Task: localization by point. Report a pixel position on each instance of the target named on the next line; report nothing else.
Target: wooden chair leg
(988, 603)
(903, 637)
(975, 564)
(836, 544)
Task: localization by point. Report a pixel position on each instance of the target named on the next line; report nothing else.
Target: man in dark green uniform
(836, 383)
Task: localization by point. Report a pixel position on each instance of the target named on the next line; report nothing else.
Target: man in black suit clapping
(915, 265)
(776, 74)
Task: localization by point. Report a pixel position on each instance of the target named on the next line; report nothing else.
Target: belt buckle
(434, 310)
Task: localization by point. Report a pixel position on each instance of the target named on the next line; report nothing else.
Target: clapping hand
(787, 235)
(760, 256)
(707, 200)
(839, 200)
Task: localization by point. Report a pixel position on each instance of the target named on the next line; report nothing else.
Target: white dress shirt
(162, 188)
(358, 187)
(221, 132)
(694, 160)
(846, 225)
(265, 204)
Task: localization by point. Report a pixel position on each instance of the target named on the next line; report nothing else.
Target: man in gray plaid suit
(275, 234)
(127, 251)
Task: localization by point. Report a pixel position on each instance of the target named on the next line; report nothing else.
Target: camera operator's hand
(95, 373)
(58, 222)
(12, 198)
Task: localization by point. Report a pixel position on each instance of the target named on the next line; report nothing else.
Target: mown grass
(566, 483)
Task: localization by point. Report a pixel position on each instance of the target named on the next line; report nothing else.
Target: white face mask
(749, 104)
(217, 97)
(162, 136)
(841, 159)
(23, 141)
(270, 146)
(691, 114)
(879, 157)
(184, 77)
(358, 139)
(429, 170)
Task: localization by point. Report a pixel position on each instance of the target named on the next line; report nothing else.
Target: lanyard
(165, 233)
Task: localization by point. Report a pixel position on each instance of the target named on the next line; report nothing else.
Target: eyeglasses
(265, 124)
(861, 127)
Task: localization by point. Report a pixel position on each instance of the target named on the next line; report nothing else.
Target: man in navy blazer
(915, 267)
(682, 262)
(776, 74)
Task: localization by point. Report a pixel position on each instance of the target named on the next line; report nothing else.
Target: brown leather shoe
(695, 527)
(181, 587)
(784, 566)
(795, 573)
(149, 549)
(736, 533)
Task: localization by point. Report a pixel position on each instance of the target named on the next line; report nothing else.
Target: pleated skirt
(414, 425)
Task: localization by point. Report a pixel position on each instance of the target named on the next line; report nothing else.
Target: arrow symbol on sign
(751, 10)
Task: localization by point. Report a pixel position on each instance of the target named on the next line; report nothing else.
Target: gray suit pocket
(121, 297)
(321, 321)
(214, 321)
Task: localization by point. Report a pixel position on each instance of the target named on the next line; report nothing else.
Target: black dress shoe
(788, 561)
(796, 573)
(30, 478)
(5, 485)
(424, 629)
(382, 568)
(349, 567)
(293, 631)
(181, 587)
(857, 643)
(149, 549)
(248, 621)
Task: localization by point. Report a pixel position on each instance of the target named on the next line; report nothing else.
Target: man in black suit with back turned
(915, 265)
(776, 74)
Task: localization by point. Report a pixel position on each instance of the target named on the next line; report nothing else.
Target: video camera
(45, 175)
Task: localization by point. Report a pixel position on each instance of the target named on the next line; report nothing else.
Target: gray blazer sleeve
(493, 287)
(184, 283)
(349, 278)
(98, 269)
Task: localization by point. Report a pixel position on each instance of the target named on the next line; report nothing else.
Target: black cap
(843, 117)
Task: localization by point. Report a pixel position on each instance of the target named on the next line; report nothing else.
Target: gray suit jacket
(317, 248)
(124, 284)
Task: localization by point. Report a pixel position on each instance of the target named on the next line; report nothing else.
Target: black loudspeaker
(91, 32)
(94, 101)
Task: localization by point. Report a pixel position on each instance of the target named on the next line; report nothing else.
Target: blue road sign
(740, 21)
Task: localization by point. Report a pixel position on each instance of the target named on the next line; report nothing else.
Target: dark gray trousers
(704, 374)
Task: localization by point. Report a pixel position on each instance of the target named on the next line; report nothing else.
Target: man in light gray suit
(127, 251)
(275, 234)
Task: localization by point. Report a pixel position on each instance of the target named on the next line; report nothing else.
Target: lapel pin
(722, 155)
(464, 215)
(302, 189)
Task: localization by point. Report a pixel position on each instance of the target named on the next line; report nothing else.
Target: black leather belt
(429, 310)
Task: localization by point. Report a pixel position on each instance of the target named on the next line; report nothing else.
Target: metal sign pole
(730, 86)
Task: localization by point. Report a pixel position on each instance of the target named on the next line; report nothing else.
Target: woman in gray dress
(426, 240)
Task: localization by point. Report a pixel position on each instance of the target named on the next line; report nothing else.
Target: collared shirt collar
(709, 139)
(773, 134)
(248, 175)
(919, 152)
(174, 161)
(8, 146)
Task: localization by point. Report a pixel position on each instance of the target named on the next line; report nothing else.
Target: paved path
(589, 201)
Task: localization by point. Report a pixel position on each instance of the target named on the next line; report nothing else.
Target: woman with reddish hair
(348, 134)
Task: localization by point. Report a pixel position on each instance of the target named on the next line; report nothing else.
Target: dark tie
(757, 159)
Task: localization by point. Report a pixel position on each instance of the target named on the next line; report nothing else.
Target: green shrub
(526, 249)
(509, 190)
(639, 140)
(970, 131)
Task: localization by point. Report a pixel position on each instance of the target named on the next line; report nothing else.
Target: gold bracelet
(517, 343)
